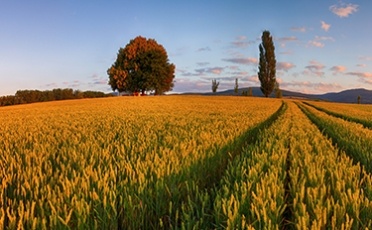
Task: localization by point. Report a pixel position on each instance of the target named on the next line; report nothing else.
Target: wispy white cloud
(338, 69)
(311, 87)
(215, 70)
(233, 67)
(299, 29)
(245, 61)
(285, 66)
(361, 65)
(361, 74)
(202, 63)
(287, 52)
(325, 26)
(365, 77)
(253, 79)
(100, 82)
(324, 38)
(241, 42)
(344, 10)
(201, 72)
(96, 80)
(178, 52)
(315, 68)
(316, 44)
(207, 48)
(51, 85)
(365, 58)
(191, 85)
(318, 41)
(284, 40)
(287, 39)
(241, 38)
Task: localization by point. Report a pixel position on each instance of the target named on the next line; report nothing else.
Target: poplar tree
(236, 88)
(215, 85)
(267, 64)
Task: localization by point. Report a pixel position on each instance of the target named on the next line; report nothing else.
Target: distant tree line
(31, 96)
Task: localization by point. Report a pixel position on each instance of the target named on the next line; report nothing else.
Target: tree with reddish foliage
(142, 66)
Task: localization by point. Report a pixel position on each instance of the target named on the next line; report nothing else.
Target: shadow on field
(181, 200)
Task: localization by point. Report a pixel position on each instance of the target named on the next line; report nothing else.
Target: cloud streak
(365, 77)
(202, 63)
(337, 69)
(285, 66)
(315, 68)
(242, 61)
(214, 70)
(189, 85)
(283, 40)
(298, 29)
(241, 42)
(201, 72)
(207, 48)
(312, 87)
(318, 41)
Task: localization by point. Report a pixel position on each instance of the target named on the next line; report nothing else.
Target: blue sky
(320, 46)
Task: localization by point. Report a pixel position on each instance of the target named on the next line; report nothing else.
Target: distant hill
(346, 96)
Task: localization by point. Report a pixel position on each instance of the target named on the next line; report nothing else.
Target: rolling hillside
(346, 96)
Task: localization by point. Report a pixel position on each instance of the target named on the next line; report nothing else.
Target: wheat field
(185, 162)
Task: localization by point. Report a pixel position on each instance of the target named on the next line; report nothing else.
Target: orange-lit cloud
(245, 61)
(284, 40)
(365, 77)
(325, 26)
(311, 87)
(285, 66)
(344, 10)
(315, 68)
(361, 74)
(253, 78)
(318, 41)
(214, 70)
(338, 69)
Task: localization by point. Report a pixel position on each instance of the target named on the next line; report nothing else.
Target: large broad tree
(142, 66)
(267, 64)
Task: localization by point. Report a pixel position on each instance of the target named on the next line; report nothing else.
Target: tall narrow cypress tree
(267, 64)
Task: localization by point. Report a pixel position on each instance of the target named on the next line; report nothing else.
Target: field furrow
(349, 136)
(328, 191)
(293, 178)
(361, 114)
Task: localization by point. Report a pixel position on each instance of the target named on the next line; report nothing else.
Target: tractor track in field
(353, 150)
(365, 123)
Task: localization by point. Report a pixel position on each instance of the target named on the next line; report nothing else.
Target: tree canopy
(142, 66)
(267, 64)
